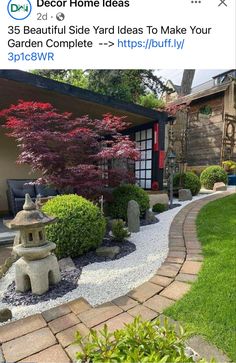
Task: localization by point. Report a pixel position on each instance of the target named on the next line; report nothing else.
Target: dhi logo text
(19, 9)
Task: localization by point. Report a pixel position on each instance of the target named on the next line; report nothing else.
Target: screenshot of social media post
(117, 181)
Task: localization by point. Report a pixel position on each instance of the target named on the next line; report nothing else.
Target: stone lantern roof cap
(29, 216)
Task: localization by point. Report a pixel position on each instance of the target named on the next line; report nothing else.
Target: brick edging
(57, 326)
(183, 262)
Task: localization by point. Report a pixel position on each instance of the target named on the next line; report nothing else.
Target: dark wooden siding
(204, 140)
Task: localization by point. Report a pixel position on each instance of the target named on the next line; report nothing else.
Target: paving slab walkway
(48, 337)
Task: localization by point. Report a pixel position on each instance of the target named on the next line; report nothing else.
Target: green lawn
(209, 308)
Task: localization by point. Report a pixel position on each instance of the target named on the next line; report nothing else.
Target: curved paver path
(48, 337)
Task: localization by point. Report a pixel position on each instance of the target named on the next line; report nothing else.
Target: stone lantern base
(37, 275)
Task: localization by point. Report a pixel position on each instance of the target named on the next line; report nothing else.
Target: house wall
(229, 111)
(230, 100)
(205, 133)
(8, 167)
(178, 135)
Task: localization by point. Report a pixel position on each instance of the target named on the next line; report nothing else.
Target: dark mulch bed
(67, 283)
(126, 248)
(69, 278)
(143, 222)
(175, 206)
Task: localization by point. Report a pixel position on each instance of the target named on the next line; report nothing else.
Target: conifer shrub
(121, 197)
(119, 230)
(159, 208)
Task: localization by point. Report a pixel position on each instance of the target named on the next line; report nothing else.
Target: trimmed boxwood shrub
(80, 226)
(213, 174)
(189, 180)
(159, 208)
(121, 197)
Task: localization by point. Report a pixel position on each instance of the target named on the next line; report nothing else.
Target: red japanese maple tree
(68, 151)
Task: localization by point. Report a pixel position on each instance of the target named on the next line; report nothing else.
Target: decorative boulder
(185, 194)
(133, 214)
(159, 199)
(66, 264)
(150, 217)
(109, 252)
(5, 315)
(219, 187)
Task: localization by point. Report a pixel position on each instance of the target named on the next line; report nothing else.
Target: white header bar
(108, 34)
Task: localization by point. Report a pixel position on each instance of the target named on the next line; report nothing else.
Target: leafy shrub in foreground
(159, 208)
(119, 231)
(121, 197)
(80, 225)
(187, 180)
(213, 174)
(140, 341)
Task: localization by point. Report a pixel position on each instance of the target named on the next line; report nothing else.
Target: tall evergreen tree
(129, 85)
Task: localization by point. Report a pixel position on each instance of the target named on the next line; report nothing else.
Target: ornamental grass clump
(213, 174)
(140, 341)
(121, 197)
(80, 225)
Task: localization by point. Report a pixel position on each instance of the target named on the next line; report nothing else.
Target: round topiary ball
(187, 180)
(121, 197)
(213, 174)
(80, 225)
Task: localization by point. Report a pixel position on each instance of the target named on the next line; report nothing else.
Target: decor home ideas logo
(19, 9)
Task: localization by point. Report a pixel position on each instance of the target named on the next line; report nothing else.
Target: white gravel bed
(103, 282)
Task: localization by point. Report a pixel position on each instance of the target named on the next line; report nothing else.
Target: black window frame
(145, 181)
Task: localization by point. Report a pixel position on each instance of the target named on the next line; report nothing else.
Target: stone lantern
(37, 267)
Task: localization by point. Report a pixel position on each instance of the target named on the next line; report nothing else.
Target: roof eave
(86, 95)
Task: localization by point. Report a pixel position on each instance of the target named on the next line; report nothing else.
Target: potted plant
(229, 166)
